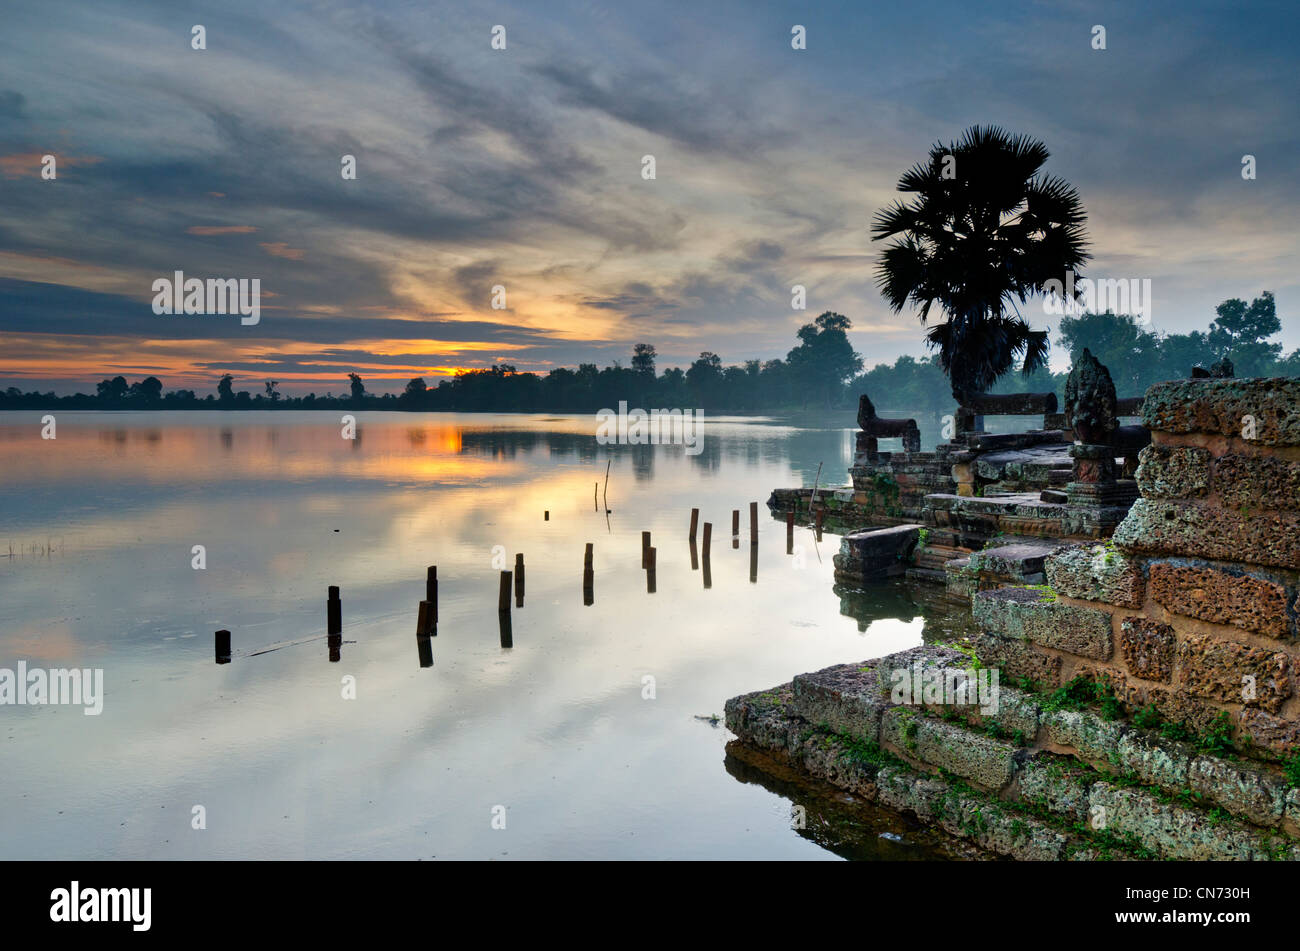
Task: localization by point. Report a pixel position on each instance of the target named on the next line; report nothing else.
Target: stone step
(1068, 761)
(878, 553)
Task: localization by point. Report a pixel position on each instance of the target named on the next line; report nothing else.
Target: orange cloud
(281, 250)
(220, 229)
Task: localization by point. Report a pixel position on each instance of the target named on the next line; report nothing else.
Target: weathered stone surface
(1155, 761)
(846, 699)
(1033, 465)
(1221, 596)
(1245, 791)
(762, 717)
(1094, 738)
(1174, 705)
(1018, 659)
(1220, 407)
(1216, 670)
(1202, 531)
(1172, 831)
(1017, 712)
(961, 581)
(1257, 482)
(873, 426)
(1022, 561)
(1090, 405)
(1055, 782)
(980, 759)
(1095, 573)
(1269, 731)
(1173, 472)
(1036, 615)
(879, 553)
(1148, 648)
(850, 698)
(971, 817)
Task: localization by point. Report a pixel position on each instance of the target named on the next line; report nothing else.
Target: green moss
(1217, 738)
(1147, 718)
(1292, 767)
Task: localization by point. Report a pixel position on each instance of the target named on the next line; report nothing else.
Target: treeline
(822, 372)
(1135, 356)
(814, 374)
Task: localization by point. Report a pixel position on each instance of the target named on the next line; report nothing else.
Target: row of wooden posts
(426, 625)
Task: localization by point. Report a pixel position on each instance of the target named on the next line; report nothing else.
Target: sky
(522, 167)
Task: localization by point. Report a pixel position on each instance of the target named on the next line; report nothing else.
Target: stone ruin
(984, 509)
(1148, 701)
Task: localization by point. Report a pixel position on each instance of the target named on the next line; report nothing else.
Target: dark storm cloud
(34, 308)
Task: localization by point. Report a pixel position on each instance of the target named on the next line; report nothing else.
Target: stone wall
(1149, 691)
(1033, 779)
(1191, 609)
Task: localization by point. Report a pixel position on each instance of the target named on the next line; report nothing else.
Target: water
(97, 529)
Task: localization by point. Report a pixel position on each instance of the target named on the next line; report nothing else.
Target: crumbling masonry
(1148, 704)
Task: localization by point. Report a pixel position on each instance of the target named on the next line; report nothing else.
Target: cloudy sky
(522, 167)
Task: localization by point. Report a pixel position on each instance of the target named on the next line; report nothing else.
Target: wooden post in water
(753, 564)
(503, 595)
(708, 537)
(645, 548)
(431, 595)
(650, 572)
(753, 523)
(503, 610)
(334, 611)
(424, 626)
(335, 643)
(695, 556)
(789, 532)
(695, 521)
(223, 647)
(588, 577)
(519, 580)
(546, 516)
(424, 648)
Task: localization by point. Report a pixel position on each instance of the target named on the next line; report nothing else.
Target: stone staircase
(1031, 781)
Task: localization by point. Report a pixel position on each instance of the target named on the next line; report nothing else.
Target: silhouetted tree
(824, 360)
(985, 229)
(114, 389)
(643, 358)
(148, 390)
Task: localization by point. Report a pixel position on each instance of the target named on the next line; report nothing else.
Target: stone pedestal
(1097, 479)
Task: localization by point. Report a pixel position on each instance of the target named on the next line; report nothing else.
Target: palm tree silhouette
(985, 229)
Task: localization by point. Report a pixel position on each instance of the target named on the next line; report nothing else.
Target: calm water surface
(96, 532)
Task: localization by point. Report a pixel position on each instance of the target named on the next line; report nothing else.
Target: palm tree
(985, 229)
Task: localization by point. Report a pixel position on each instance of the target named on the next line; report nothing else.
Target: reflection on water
(840, 822)
(312, 744)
